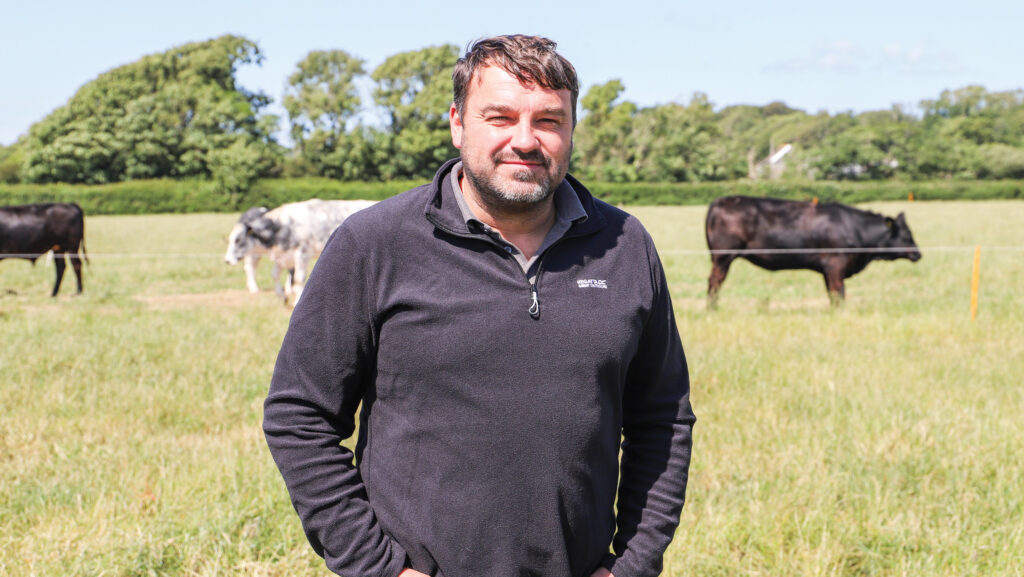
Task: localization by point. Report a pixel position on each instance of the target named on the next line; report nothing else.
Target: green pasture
(882, 438)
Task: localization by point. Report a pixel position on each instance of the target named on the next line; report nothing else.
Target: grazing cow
(242, 244)
(836, 240)
(292, 235)
(31, 230)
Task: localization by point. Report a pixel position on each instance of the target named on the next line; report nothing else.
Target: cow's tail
(81, 214)
(712, 209)
(85, 256)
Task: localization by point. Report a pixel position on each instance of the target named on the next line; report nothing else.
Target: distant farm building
(771, 167)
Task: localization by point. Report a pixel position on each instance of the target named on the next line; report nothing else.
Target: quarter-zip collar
(567, 206)
(444, 213)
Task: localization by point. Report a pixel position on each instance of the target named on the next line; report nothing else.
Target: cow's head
(899, 236)
(242, 236)
(263, 230)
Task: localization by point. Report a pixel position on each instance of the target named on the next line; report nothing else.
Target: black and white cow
(833, 239)
(242, 246)
(31, 230)
(292, 235)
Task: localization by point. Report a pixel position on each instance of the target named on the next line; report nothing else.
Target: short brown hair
(531, 59)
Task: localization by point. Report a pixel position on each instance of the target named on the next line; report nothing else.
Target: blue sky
(813, 55)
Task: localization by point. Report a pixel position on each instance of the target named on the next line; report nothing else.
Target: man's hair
(531, 59)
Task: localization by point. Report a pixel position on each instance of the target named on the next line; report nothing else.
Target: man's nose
(524, 138)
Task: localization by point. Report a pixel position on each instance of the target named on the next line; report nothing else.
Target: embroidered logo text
(592, 283)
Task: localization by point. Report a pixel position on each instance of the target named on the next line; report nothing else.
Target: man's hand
(602, 572)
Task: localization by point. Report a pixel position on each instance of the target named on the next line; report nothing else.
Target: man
(503, 331)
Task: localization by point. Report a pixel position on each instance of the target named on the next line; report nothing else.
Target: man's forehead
(495, 76)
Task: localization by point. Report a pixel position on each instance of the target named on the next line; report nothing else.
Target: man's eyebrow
(505, 109)
(555, 111)
(495, 108)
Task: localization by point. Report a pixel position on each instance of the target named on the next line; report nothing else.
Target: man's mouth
(523, 161)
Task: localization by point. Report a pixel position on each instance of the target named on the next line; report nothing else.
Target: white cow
(292, 235)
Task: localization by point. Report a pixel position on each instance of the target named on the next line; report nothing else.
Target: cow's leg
(76, 265)
(58, 261)
(299, 276)
(834, 285)
(719, 270)
(301, 262)
(249, 262)
(277, 281)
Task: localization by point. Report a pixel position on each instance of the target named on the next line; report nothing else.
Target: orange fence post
(910, 196)
(974, 281)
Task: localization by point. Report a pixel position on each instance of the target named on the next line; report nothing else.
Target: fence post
(974, 281)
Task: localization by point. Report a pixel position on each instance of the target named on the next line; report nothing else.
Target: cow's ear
(890, 224)
(262, 229)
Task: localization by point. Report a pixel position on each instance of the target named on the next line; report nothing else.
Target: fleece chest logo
(592, 283)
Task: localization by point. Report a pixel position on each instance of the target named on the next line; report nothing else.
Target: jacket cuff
(619, 567)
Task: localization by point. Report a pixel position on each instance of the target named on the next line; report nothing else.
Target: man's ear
(455, 123)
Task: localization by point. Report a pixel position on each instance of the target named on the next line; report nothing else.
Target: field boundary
(678, 251)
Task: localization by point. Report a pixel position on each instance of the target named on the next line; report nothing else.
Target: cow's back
(735, 222)
(38, 228)
(310, 223)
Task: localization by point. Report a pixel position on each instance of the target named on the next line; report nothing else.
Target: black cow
(31, 230)
(836, 240)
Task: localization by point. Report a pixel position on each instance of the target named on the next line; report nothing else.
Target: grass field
(883, 438)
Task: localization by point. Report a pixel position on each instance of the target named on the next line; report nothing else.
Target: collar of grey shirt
(568, 210)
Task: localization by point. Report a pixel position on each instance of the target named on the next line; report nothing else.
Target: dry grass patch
(223, 299)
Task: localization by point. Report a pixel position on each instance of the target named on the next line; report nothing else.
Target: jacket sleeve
(657, 425)
(325, 364)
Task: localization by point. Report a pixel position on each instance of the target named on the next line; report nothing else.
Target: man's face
(515, 140)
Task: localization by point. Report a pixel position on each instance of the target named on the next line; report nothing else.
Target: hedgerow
(191, 196)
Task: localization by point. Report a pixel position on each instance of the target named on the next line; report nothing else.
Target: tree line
(181, 114)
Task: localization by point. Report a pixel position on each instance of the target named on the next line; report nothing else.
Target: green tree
(321, 99)
(749, 134)
(999, 161)
(851, 154)
(414, 91)
(966, 101)
(600, 150)
(872, 145)
(11, 160)
(673, 142)
(172, 114)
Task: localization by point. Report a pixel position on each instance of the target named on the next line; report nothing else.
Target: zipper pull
(534, 302)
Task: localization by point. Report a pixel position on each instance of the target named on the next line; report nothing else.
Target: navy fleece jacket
(489, 436)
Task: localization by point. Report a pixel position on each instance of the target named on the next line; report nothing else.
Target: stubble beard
(525, 194)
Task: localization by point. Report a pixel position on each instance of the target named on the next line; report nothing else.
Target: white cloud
(841, 56)
(919, 58)
(846, 57)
